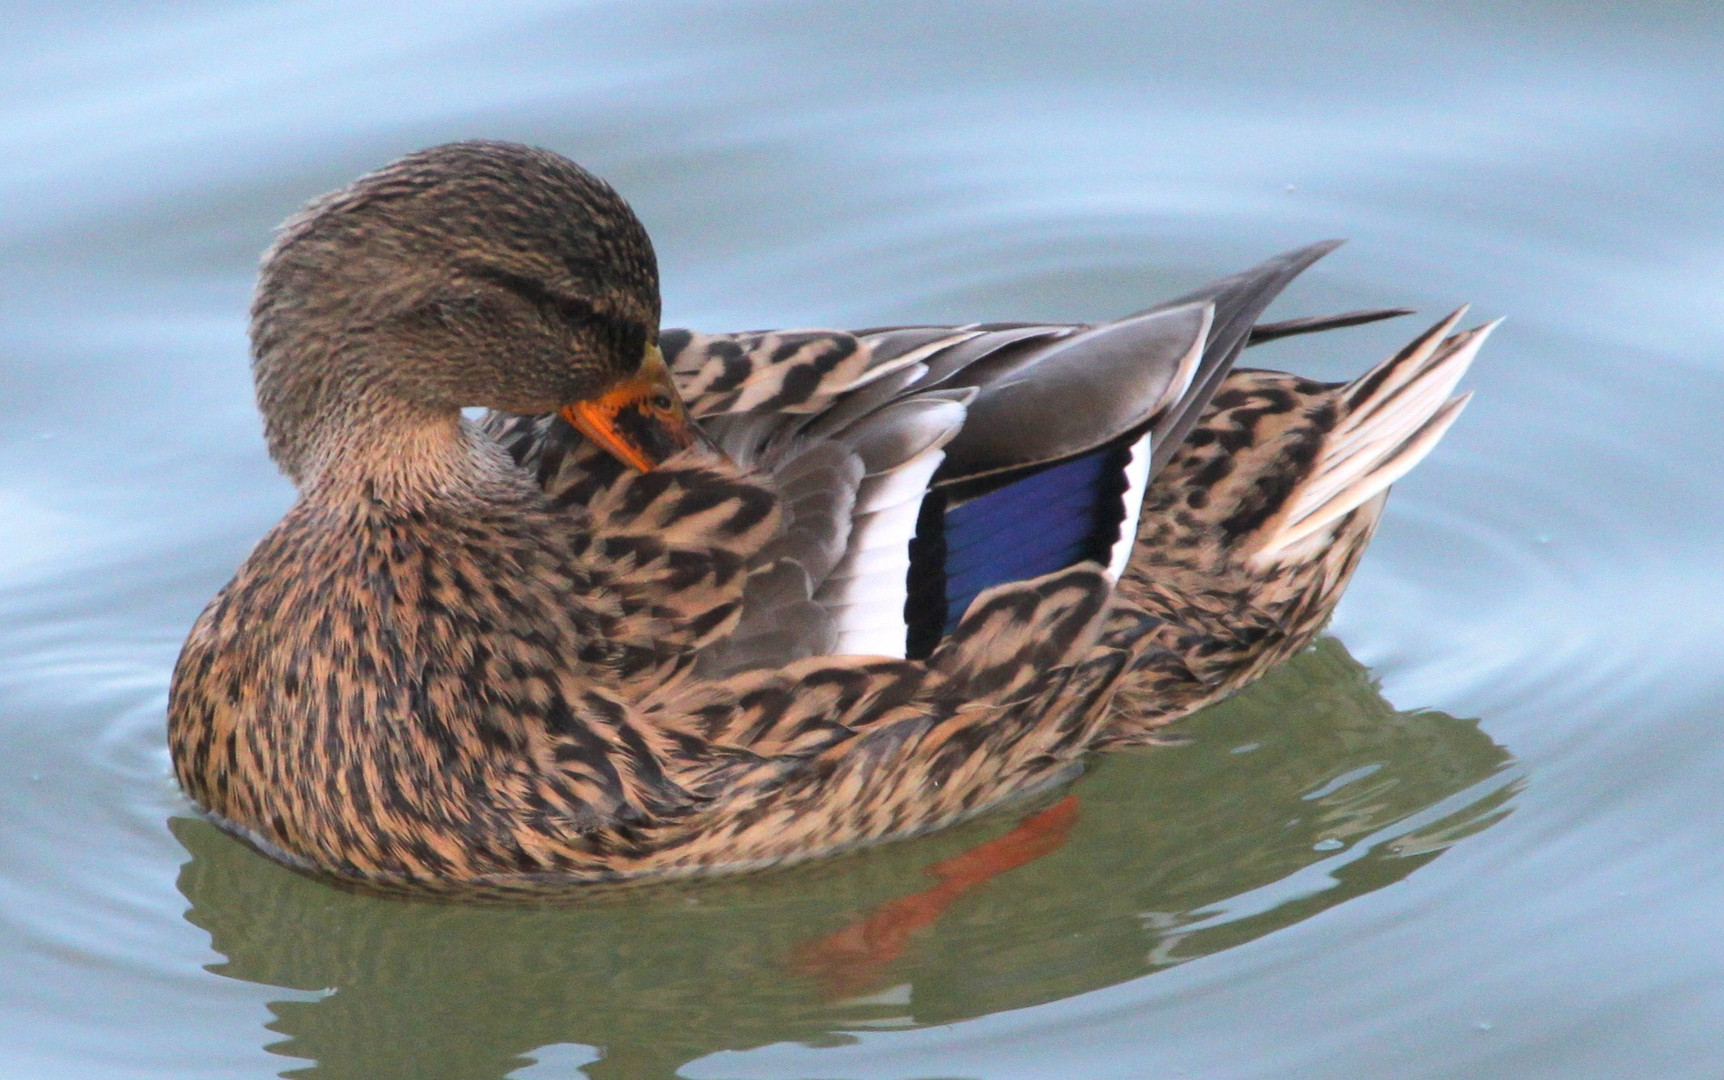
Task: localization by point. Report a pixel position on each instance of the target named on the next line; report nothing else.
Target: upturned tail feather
(1250, 534)
(1388, 420)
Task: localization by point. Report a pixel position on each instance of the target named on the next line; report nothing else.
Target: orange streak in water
(851, 960)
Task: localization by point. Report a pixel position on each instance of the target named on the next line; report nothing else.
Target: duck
(680, 604)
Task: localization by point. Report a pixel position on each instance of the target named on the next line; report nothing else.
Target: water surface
(1473, 834)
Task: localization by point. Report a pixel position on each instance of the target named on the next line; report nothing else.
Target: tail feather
(1385, 471)
(1311, 324)
(1251, 533)
(1390, 418)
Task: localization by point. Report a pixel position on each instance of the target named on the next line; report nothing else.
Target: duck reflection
(1305, 791)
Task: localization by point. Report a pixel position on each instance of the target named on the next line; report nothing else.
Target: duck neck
(408, 461)
(375, 449)
(343, 432)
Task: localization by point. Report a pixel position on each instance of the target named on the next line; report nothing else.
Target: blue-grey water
(1475, 833)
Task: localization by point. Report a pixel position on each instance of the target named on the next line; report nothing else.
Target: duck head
(471, 274)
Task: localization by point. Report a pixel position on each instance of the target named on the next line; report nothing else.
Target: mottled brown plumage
(1250, 534)
(492, 656)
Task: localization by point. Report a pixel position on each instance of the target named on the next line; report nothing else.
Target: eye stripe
(572, 309)
(628, 338)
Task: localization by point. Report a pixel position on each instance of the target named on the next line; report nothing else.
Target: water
(1343, 875)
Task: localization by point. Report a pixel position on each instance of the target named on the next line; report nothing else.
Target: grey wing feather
(894, 343)
(780, 621)
(902, 446)
(1079, 392)
(1237, 300)
(1311, 324)
(904, 429)
(817, 493)
(860, 402)
(779, 624)
(992, 344)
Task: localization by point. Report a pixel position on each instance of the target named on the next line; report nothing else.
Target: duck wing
(1069, 427)
(913, 468)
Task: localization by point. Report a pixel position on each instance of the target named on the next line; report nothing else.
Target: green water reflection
(1305, 791)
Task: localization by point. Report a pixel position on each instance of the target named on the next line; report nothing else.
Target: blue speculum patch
(1034, 526)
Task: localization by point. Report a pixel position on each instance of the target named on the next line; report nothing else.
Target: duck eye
(452, 308)
(661, 401)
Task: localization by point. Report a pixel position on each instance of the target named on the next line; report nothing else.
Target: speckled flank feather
(1251, 533)
(858, 750)
(574, 752)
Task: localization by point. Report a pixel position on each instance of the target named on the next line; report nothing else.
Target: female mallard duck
(861, 586)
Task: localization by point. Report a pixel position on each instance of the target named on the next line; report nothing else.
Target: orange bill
(640, 418)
